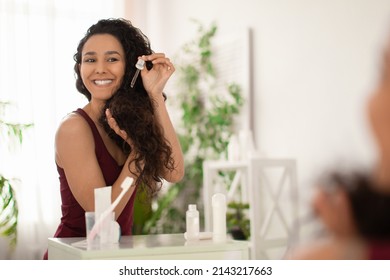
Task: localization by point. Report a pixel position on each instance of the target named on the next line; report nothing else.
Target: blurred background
(305, 69)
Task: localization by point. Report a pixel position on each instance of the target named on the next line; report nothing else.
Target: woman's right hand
(155, 79)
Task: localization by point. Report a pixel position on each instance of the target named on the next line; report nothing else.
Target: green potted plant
(207, 119)
(10, 133)
(237, 222)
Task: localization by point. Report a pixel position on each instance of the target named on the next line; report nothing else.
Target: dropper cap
(192, 207)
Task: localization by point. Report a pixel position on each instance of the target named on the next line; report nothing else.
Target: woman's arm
(75, 153)
(154, 81)
(170, 134)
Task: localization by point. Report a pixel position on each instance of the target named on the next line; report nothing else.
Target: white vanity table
(144, 247)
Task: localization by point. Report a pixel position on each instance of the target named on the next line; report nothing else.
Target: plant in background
(237, 221)
(10, 133)
(207, 124)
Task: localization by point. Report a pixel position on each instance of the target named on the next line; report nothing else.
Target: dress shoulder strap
(95, 132)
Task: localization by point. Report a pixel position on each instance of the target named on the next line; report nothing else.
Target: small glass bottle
(192, 223)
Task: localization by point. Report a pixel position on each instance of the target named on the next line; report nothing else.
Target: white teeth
(102, 82)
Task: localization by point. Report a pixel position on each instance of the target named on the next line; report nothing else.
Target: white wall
(314, 64)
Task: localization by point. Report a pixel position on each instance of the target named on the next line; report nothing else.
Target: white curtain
(37, 42)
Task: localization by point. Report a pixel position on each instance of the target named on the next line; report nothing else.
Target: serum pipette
(139, 65)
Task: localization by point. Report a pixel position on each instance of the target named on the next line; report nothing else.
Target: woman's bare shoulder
(71, 125)
(73, 139)
(72, 133)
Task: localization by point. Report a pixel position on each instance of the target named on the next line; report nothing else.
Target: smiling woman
(103, 65)
(37, 43)
(121, 132)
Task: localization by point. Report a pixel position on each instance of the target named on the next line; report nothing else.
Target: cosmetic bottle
(219, 217)
(192, 223)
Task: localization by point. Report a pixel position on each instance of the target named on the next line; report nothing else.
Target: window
(37, 42)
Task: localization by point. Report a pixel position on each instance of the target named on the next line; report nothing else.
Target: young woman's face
(102, 65)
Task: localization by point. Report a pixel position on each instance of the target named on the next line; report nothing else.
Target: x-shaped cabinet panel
(270, 187)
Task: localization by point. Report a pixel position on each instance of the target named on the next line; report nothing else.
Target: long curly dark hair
(131, 107)
(370, 207)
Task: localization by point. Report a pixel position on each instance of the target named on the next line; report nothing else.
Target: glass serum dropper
(139, 65)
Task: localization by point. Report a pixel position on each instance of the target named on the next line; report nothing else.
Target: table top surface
(145, 244)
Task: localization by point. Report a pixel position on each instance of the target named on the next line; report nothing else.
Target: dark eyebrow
(89, 53)
(106, 53)
(112, 52)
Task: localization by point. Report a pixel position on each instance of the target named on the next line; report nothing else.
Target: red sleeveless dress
(73, 219)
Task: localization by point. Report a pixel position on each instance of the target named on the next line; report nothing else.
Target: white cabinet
(269, 185)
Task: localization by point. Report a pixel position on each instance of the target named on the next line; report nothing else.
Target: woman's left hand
(114, 126)
(155, 79)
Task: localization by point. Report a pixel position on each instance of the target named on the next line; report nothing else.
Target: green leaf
(8, 211)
